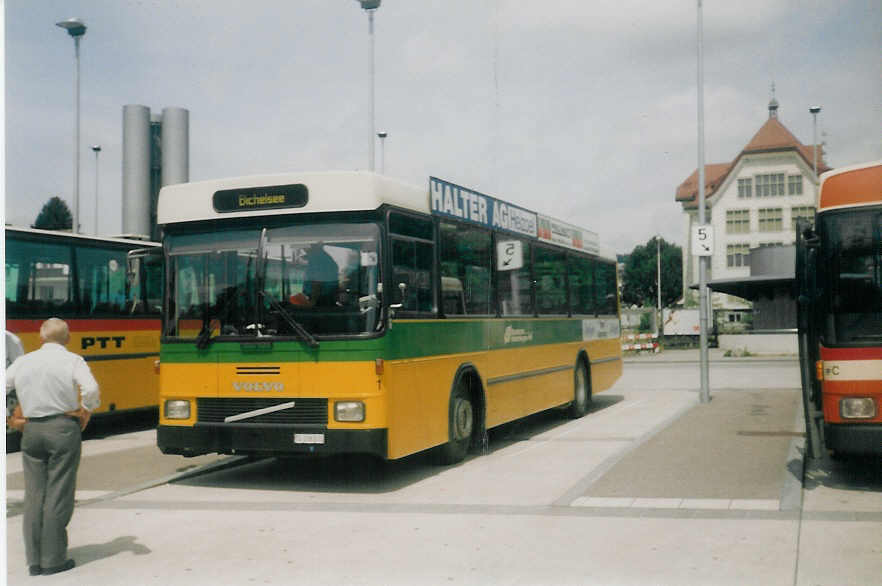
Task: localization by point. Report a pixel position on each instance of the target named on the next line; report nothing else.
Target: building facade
(753, 202)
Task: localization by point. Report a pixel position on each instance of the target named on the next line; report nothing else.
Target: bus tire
(460, 426)
(581, 391)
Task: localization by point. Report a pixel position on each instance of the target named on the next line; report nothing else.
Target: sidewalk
(694, 355)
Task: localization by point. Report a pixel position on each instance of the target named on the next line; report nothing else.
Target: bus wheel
(581, 391)
(461, 425)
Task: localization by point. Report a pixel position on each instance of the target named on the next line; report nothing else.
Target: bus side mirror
(402, 287)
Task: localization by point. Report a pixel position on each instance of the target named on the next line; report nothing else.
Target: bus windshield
(293, 281)
(852, 267)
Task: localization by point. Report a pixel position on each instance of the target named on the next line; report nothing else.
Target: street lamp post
(382, 136)
(814, 111)
(370, 6)
(96, 148)
(76, 29)
(703, 262)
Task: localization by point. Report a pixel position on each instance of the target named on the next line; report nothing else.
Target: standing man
(49, 383)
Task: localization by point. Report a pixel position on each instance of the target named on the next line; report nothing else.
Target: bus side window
(515, 286)
(466, 258)
(38, 278)
(581, 274)
(606, 288)
(550, 270)
(413, 256)
(102, 281)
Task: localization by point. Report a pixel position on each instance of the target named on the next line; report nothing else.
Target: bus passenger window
(581, 285)
(515, 287)
(413, 256)
(38, 278)
(606, 288)
(550, 270)
(465, 270)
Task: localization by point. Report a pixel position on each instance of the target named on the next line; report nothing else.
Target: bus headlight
(349, 411)
(177, 409)
(857, 408)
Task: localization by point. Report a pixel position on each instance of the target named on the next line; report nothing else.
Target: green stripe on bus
(406, 339)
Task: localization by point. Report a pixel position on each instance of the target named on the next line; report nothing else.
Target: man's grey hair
(55, 330)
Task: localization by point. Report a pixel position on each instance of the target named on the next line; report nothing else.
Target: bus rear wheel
(460, 426)
(581, 391)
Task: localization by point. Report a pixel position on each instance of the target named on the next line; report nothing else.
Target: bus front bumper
(265, 440)
(854, 438)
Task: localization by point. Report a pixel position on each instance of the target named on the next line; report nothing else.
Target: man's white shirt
(46, 382)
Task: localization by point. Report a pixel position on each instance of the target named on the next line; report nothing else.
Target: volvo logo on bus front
(264, 386)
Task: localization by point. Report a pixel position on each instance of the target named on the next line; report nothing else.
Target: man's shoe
(69, 564)
(35, 570)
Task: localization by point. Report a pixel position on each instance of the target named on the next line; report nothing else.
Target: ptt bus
(839, 277)
(113, 312)
(346, 312)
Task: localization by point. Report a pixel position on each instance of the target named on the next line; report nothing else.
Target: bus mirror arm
(368, 302)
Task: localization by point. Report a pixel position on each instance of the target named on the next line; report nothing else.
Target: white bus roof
(330, 191)
(85, 238)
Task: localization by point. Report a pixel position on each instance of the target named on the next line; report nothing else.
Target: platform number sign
(702, 240)
(509, 255)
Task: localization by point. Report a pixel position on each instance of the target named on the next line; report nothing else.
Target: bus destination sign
(454, 201)
(260, 198)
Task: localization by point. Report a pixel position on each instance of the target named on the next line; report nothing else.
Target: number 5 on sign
(702, 240)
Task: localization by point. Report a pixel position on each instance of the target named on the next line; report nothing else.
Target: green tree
(55, 215)
(639, 281)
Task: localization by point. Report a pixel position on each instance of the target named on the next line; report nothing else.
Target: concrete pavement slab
(734, 447)
(226, 545)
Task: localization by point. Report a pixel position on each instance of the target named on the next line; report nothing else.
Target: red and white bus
(839, 277)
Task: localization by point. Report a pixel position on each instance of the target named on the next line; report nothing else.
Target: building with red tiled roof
(752, 202)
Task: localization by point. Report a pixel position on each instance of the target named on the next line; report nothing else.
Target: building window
(769, 244)
(771, 220)
(801, 213)
(737, 255)
(745, 188)
(794, 185)
(770, 185)
(737, 221)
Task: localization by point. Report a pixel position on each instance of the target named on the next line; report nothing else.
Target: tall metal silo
(175, 146)
(136, 170)
(156, 152)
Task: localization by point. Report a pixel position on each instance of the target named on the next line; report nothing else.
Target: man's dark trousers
(50, 456)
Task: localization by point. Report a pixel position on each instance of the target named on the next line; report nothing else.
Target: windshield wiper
(204, 339)
(301, 331)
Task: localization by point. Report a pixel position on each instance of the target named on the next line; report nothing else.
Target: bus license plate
(309, 438)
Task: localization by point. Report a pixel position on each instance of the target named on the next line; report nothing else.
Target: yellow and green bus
(346, 312)
(110, 299)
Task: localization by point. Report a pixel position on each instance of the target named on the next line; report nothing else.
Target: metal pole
(97, 149)
(814, 110)
(382, 136)
(658, 283)
(76, 215)
(371, 129)
(703, 261)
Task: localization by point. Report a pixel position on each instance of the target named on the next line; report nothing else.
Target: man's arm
(89, 392)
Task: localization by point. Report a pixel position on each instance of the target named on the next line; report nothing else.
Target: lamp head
(369, 4)
(382, 134)
(815, 109)
(74, 26)
(96, 148)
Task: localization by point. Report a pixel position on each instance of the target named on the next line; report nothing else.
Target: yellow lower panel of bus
(125, 380)
(336, 381)
(411, 397)
(527, 381)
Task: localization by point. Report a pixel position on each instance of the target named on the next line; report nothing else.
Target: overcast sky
(585, 111)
